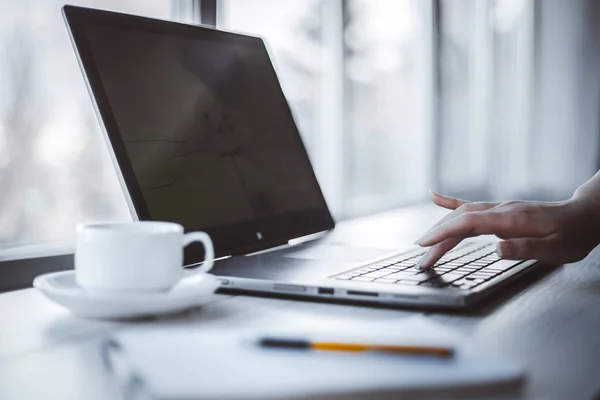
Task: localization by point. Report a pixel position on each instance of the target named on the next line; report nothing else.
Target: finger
(466, 207)
(448, 202)
(543, 249)
(503, 224)
(436, 252)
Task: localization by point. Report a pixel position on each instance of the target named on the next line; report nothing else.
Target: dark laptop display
(202, 131)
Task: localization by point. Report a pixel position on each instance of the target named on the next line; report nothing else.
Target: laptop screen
(204, 127)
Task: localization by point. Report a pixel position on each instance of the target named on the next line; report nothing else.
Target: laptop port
(360, 293)
(325, 290)
(289, 288)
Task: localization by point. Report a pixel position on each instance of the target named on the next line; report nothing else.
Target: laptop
(201, 134)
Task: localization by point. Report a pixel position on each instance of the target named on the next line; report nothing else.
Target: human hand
(552, 232)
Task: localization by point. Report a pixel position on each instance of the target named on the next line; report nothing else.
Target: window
(54, 165)
(388, 71)
(485, 64)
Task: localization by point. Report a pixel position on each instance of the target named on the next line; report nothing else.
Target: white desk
(550, 320)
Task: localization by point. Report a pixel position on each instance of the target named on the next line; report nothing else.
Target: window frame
(18, 273)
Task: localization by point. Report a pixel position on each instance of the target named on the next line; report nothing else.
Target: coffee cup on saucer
(134, 257)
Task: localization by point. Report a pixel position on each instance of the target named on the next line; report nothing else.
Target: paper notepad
(220, 364)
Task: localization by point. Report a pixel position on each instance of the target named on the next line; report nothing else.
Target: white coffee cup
(143, 256)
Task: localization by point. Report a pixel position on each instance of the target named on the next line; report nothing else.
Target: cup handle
(209, 251)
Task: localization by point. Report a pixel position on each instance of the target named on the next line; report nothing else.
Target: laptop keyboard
(465, 267)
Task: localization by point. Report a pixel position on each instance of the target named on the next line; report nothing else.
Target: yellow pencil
(438, 351)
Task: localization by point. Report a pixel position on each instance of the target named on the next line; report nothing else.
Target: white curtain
(564, 144)
(547, 154)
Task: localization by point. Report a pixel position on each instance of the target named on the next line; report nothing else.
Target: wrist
(587, 206)
(588, 193)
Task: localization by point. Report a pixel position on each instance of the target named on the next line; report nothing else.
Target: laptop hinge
(291, 243)
(283, 246)
(307, 238)
(273, 246)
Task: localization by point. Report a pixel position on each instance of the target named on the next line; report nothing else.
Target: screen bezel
(238, 238)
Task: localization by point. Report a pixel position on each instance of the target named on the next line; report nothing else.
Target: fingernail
(499, 250)
(430, 193)
(503, 249)
(419, 263)
(423, 238)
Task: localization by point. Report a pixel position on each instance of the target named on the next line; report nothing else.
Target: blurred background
(484, 99)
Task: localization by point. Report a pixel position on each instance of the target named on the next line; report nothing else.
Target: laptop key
(452, 277)
(486, 273)
(469, 267)
(393, 268)
(505, 264)
(458, 263)
(362, 279)
(490, 270)
(463, 281)
(465, 270)
(435, 283)
(377, 274)
(418, 278)
(443, 271)
(386, 280)
(474, 280)
(366, 270)
(486, 277)
(479, 264)
(406, 264)
(400, 275)
(409, 283)
(481, 272)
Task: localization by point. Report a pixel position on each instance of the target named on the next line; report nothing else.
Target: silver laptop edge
(377, 293)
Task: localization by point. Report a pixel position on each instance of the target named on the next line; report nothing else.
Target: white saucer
(62, 288)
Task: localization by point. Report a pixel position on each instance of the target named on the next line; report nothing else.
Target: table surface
(549, 320)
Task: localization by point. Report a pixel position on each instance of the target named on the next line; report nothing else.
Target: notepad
(219, 364)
